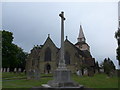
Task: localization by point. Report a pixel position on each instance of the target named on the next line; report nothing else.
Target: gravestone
(19, 70)
(4, 69)
(85, 72)
(79, 72)
(29, 74)
(102, 70)
(36, 74)
(8, 69)
(33, 74)
(1, 70)
(24, 70)
(15, 70)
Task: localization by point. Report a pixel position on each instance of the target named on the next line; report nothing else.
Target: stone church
(45, 58)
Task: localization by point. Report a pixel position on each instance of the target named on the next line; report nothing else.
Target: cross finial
(62, 15)
(66, 37)
(48, 35)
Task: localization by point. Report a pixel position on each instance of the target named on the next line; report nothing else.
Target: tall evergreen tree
(108, 66)
(97, 66)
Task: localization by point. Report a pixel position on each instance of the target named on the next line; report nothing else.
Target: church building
(45, 58)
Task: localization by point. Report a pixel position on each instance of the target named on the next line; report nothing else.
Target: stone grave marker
(8, 69)
(85, 72)
(36, 74)
(15, 70)
(4, 69)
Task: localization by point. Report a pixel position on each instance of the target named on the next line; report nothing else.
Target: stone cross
(62, 61)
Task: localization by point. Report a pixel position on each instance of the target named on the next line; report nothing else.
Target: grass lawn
(11, 80)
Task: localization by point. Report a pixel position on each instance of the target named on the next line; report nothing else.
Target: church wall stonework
(74, 60)
(54, 50)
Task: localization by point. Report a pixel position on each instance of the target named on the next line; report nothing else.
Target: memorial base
(62, 78)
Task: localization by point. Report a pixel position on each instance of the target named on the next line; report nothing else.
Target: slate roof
(83, 53)
(48, 39)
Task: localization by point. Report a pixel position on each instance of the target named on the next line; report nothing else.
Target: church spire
(81, 37)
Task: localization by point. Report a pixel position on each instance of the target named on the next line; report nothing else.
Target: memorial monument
(62, 75)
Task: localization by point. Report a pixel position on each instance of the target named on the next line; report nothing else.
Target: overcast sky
(32, 22)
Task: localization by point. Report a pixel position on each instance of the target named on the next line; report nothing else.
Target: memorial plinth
(62, 78)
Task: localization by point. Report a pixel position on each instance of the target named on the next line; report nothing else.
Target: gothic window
(47, 54)
(67, 58)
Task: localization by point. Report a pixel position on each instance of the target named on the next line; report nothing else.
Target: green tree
(117, 36)
(108, 66)
(12, 55)
(21, 57)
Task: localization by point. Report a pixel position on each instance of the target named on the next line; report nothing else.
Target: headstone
(4, 69)
(24, 70)
(102, 70)
(19, 69)
(85, 72)
(30, 74)
(8, 69)
(79, 72)
(15, 69)
(1, 70)
(37, 74)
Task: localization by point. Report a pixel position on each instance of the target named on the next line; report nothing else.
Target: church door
(48, 68)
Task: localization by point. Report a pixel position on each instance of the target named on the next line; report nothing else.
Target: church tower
(81, 44)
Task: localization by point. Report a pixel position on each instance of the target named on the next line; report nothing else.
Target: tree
(12, 55)
(108, 66)
(21, 57)
(117, 36)
(97, 66)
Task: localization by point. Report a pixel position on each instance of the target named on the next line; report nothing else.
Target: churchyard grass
(15, 80)
(97, 81)
(0, 80)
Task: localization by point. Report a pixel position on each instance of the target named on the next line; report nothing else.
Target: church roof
(84, 53)
(49, 40)
(87, 53)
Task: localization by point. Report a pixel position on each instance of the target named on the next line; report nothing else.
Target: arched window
(67, 58)
(47, 54)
